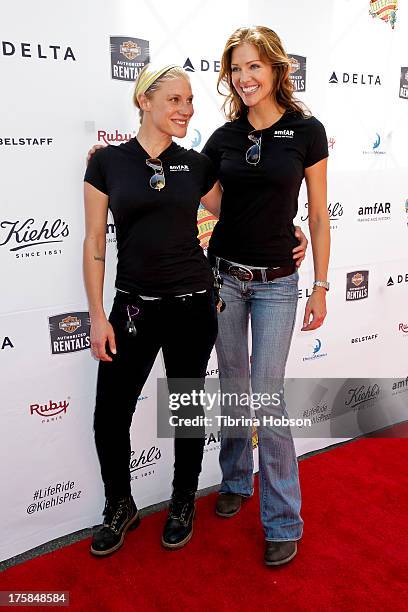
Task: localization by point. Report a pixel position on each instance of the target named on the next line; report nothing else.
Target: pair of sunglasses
(158, 180)
(253, 155)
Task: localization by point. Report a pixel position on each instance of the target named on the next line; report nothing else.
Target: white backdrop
(58, 98)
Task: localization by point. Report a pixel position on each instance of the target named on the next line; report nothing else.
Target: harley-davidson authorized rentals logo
(357, 285)
(128, 57)
(69, 332)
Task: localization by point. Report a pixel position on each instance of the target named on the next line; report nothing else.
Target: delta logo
(385, 10)
(354, 78)
(205, 224)
(202, 65)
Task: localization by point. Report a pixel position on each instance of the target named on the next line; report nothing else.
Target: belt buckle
(241, 273)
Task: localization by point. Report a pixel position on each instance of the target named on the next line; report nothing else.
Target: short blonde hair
(148, 77)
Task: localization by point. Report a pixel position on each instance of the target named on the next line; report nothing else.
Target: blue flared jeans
(271, 307)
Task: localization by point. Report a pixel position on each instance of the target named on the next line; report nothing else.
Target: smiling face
(251, 77)
(169, 108)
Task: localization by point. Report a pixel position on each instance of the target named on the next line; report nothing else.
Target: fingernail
(114, 351)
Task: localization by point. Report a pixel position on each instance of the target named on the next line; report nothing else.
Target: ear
(144, 102)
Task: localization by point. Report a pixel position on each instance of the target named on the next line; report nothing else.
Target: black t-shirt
(159, 252)
(260, 202)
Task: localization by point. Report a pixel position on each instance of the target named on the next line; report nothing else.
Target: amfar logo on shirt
(128, 57)
(283, 134)
(180, 168)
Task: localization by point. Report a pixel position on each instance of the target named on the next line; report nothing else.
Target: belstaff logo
(128, 57)
(37, 51)
(203, 65)
(69, 332)
(357, 285)
(385, 10)
(205, 223)
(355, 78)
(403, 92)
(297, 74)
(26, 142)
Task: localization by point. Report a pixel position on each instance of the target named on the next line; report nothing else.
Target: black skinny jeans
(185, 329)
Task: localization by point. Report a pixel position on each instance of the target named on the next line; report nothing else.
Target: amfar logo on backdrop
(385, 10)
(110, 233)
(69, 332)
(37, 51)
(403, 92)
(355, 78)
(18, 236)
(375, 148)
(128, 57)
(357, 285)
(24, 142)
(298, 72)
(380, 211)
(202, 65)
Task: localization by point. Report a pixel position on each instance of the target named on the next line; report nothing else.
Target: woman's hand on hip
(299, 252)
(102, 333)
(315, 309)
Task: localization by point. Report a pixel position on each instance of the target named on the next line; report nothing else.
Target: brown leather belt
(243, 273)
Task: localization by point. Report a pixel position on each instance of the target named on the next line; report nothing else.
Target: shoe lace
(179, 510)
(114, 512)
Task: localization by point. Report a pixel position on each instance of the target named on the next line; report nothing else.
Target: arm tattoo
(99, 258)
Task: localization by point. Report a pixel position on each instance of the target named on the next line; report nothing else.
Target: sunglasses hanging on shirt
(253, 155)
(158, 180)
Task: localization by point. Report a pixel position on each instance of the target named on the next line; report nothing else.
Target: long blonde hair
(270, 50)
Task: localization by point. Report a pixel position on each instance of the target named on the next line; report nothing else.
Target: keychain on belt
(130, 325)
(220, 304)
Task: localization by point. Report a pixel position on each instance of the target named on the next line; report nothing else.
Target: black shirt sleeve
(95, 173)
(209, 175)
(212, 150)
(317, 148)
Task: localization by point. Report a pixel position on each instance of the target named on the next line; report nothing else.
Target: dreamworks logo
(180, 168)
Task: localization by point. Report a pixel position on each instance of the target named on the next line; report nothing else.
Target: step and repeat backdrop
(67, 78)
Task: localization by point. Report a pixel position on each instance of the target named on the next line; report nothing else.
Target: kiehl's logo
(50, 408)
(146, 458)
(362, 395)
(357, 285)
(335, 210)
(19, 235)
(69, 332)
(37, 51)
(128, 57)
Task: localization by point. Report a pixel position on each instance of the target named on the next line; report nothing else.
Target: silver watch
(323, 284)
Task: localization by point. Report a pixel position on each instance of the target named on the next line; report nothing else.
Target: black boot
(119, 516)
(179, 525)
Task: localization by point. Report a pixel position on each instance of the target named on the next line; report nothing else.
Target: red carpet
(353, 555)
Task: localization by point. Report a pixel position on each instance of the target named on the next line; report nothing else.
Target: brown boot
(228, 504)
(278, 553)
